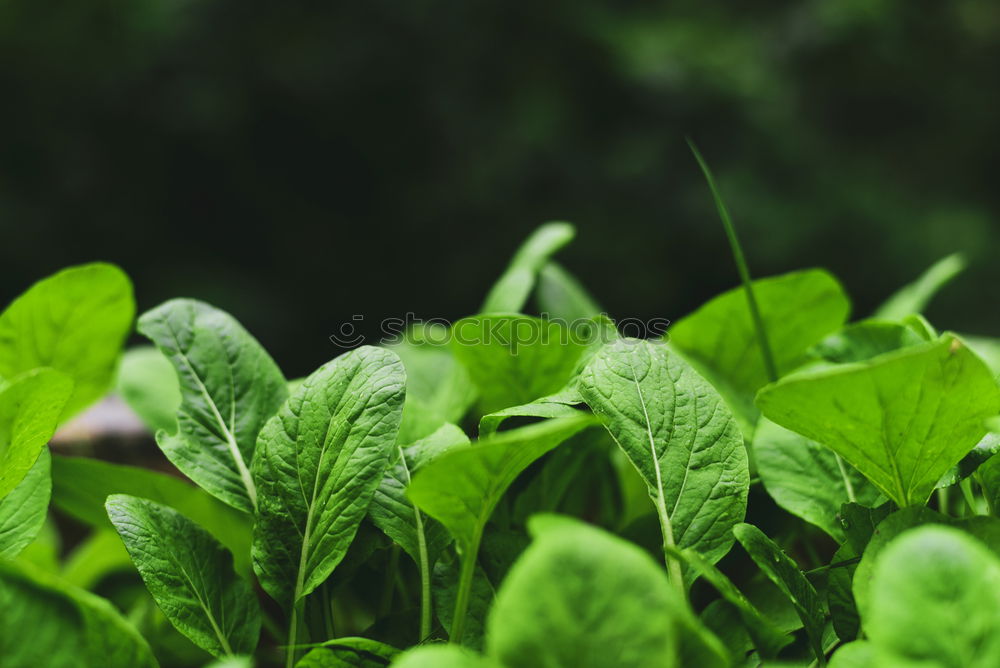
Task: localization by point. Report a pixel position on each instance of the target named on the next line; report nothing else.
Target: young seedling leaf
(787, 577)
(511, 291)
(515, 359)
(229, 387)
(460, 489)
(680, 436)
(23, 510)
(913, 298)
(861, 341)
(561, 296)
(318, 463)
(30, 406)
(553, 406)
(807, 479)
(189, 574)
(901, 419)
(935, 600)
(49, 623)
(75, 322)
(81, 485)
(148, 384)
(719, 339)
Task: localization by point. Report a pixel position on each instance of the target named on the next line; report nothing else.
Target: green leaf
(189, 574)
(935, 600)
(229, 387)
(861, 341)
(581, 597)
(914, 297)
(553, 406)
(989, 479)
(148, 384)
(987, 348)
(857, 654)
(807, 479)
(319, 462)
(447, 577)
(511, 291)
(46, 623)
(81, 485)
(97, 557)
(438, 388)
(561, 296)
(516, 359)
(23, 511)
(30, 406)
(349, 653)
(902, 419)
(766, 637)
(859, 524)
(988, 446)
(719, 339)
(787, 577)
(679, 435)
(461, 488)
(441, 656)
(75, 322)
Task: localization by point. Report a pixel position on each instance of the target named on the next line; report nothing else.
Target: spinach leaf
(720, 340)
(935, 600)
(515, 359)
(30, 406)
(553, 406)
(787, 577)
(349, 653)
(442, 656)
(680, 436)
(148, 384)
(47, 623)
(864, 340)
(75, 322)
(100, 555)
(391, 511)
(189, 574)
(229, 387)
(23, 510)
(560, 295)
(902, 419)
(318, 464)
(461, 488)
(81, 485)
(510, 292)
(914, 297)
(807, 479)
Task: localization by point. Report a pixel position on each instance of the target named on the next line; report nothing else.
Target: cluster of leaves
(583, 526)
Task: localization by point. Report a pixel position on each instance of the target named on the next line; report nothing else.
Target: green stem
(293, 634)
(847, 479)
(741, 266)
(989, 502)
(464, 588)
(673, 566)
(425, 579)
(942, 499)
(966, 487)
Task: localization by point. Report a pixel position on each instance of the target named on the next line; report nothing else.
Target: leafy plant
(528, 484)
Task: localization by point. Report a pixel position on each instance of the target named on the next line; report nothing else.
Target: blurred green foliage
(300, 162)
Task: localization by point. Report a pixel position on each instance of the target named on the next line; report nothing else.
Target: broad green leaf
(561, 296)
(511, 291)
(857, 654)
(349, 653)
(935, 600)
(43, 552)
(988, 446)
(902, 419)
(553, 406)
(914, 297)
(23, 511)
(987, 348)
(462, 487)
(986, 529)
(391, 510)
(46, 623)
(97, 557)
(148, 384)
(581, 597)
(787, 577)
(767, 638)
(807, 479)
(189, 574)
(719, 339)
(679, 435)
(229, 387)
(441, 656)
(30, 406)
(859, 524)
(516, 359)
(438, 388)
(81, 485)
(75, 322)
(861, 341)
(318, 464)
(232, 662)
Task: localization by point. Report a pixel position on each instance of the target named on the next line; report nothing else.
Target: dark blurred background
(299, 162)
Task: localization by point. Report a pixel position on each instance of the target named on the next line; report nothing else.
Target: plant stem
(673, 566)
(942, 499)
(741, 266)
(468, 570)
(425, 579)
(966, 486)
(293, 634)
(847, 479)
